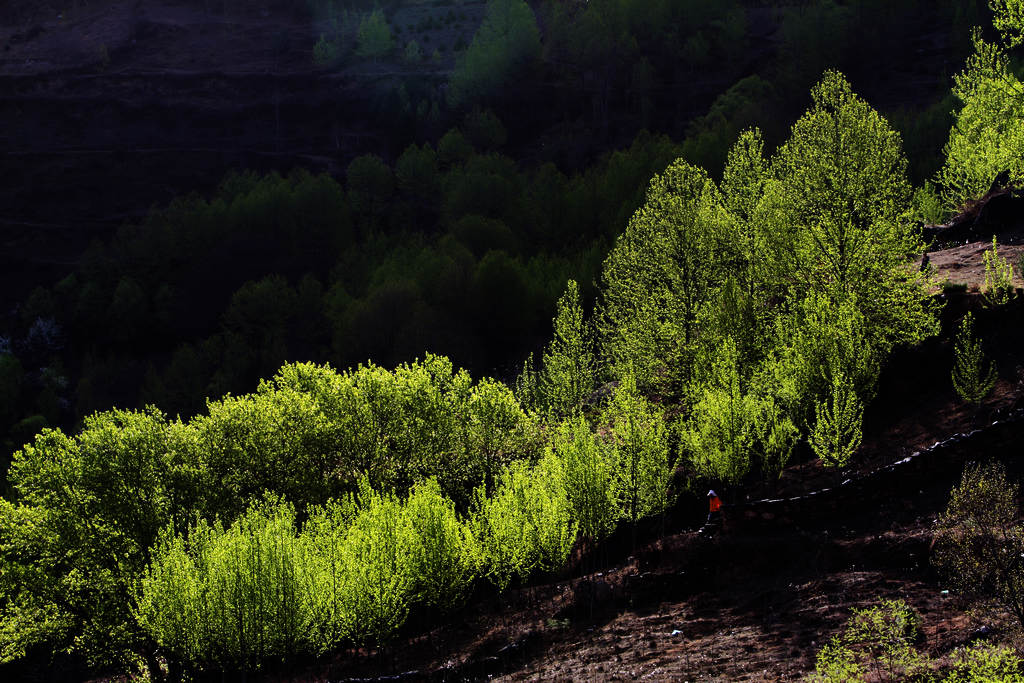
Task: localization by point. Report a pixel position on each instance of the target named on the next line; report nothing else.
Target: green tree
(731, 425)
(1009, 20)
(78, 529)
(987, 137)
(443, 552)
(527, 525)
(998, 286)
(979, 541)
(507, 39)
(971, 380)
(413, 53)
(876, 644)
(374, 37)
(839, 204)
(837, 433)
(417, 173)
(641, 464)
(370, 186)
(325, 52)
(662, 273)
(588, 477)
(569, 371)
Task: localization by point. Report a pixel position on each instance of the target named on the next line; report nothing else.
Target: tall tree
(569, 367)
(840, 202)
(987, 137)
(662, 273)
(507, 39)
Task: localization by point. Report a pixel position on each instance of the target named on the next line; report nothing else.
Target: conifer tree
(971, 379)
(837, 434)
(569, 368)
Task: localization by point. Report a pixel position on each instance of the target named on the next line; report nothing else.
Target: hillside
(359, 340)
(757, 601)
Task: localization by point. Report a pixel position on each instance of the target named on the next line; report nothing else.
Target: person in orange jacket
(714, 507)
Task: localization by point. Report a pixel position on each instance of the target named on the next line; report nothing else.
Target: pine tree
(970, 378)
(837, 428)
(567, 377)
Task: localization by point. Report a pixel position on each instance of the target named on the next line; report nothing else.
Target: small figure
(714, 508)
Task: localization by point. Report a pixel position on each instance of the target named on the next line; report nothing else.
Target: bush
(979, 544)
(998, 288)
(876, 644)
(985, 663)
(227, 597)
(971, 379)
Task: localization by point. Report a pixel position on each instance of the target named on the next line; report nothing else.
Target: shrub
(971, 380)
(838, 420)
(443, 554)
(876, 644)
(998, 287)
(986, 663)
(979, 544)
(527, 524)
(227, 596)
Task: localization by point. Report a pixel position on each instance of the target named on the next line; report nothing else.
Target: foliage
(413, 53)
(928, 207)
(569, 370)
(837, 428)
(589, 478)
(325, 52)
(818, 339)
(998, 287)
(1009, 20)
(84, 514)
(374, 37)
(506, 40)
(979, 544)
(840, 199)
(985, 662)
(877, 642)
(731, 424)
(660, 275)
(443, 552)
(227, 596)
(527, 524)
(987, 137)
(971, 380)
(639, 449)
